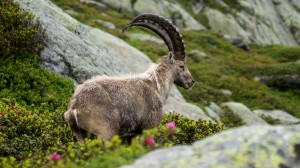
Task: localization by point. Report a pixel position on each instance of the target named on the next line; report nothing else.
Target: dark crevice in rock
(282, 82)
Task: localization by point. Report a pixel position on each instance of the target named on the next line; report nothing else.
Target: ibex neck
(164, 78)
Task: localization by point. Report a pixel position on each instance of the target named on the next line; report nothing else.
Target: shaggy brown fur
(107, 106)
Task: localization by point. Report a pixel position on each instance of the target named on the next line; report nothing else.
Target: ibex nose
(193, 81)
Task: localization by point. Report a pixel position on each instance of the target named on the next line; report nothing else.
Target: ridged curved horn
(165, 29)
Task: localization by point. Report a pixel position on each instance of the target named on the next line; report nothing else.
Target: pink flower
(149, 141)
(55, 156)
(171, 126)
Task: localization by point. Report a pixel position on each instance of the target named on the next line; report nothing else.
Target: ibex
(106, 106)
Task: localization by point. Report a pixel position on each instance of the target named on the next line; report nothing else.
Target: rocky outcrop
(245, 113)
(290, 17)
(146, 37)
(252, 146)
(281, 82)
(106, 24)
(282, 116)
(262, 21)
(296, 3)
(79, 51)
(171, 10)
(91, 2)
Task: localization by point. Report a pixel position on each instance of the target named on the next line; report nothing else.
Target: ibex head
(173, 39)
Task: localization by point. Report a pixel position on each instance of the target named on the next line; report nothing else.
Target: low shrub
(20, 33)
(34, 139)
(270, 120)
(188, 130)
(23, 79)
(230, 119)
(25, 132)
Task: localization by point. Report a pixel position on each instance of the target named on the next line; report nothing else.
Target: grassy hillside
(32, 100)
(226, 67)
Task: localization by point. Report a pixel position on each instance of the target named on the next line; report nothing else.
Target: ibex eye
(182, 67)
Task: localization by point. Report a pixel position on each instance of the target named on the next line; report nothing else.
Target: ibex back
(107, 106)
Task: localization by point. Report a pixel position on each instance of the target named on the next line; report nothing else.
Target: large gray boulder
(80, 52)
(247, 147)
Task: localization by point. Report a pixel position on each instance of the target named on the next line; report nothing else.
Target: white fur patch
(75, 115)
(146, 75)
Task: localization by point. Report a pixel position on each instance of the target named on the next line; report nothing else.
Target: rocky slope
(79, 51)
(172, 10)
(262, 21)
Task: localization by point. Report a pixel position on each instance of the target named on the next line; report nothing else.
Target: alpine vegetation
(106, 106)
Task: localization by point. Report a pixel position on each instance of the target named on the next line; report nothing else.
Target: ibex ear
(171, 57)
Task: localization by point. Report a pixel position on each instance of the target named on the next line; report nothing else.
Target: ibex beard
(106, 106)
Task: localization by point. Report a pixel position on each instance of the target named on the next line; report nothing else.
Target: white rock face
(260, 21)
(171, 10)
(106, 24)
(120, 5)
(146, 37)
(245, 113)
(80, 52)
(91, 2)
(290, 17)
(225, 24)
(284, 117)
(296, 3)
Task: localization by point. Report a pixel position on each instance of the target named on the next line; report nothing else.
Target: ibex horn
(165, 29)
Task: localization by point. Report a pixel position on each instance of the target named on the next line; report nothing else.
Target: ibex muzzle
(107, 106)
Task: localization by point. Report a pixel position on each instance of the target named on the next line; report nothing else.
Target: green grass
(24, 80)
(230, 119)
(289, 68)
(280, 53)
(270, 120)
